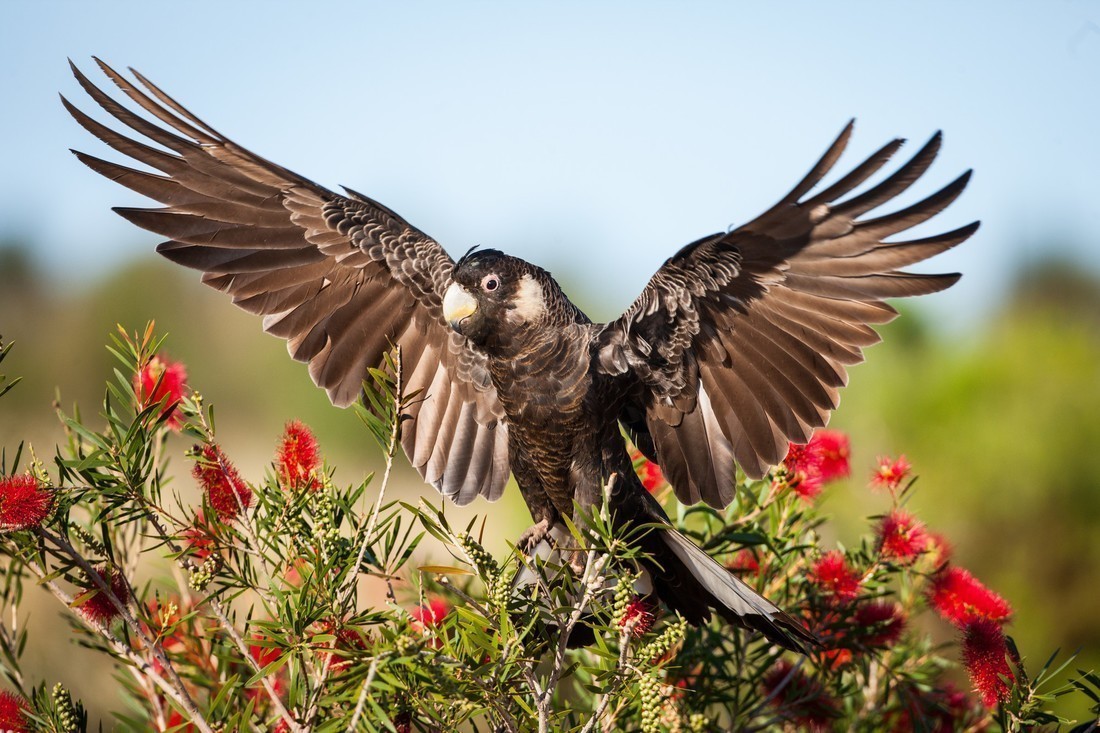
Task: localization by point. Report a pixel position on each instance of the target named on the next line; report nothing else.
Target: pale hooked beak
(458, 304)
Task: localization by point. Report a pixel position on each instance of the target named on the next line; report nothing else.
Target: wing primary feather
(158, 110)
(898, 182)
(919, 212)
(858, 175)
(823, 166)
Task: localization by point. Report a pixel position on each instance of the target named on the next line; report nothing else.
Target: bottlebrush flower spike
(13, 713)
(402, 722)
(890, 473)
(961, 598)
(225, 491)
(171, 389)
(799, 698)
(880, 623)
(261, 653)
(23, 503)
(832, 574)
(802, 471)
(653, 479)
(939, 548)
(833, 450)
(901, 537)
(432, 614)
(199, 538)
(298, 457)
(943, 709)
(176, 719)
(984, 652)
(744, 562)
(98, 606)
(638, 617)
(347, 639)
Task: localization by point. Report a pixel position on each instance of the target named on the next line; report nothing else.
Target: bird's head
(493, 297)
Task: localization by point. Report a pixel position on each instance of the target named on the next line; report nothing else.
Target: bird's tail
(733, 599)
(689, 580)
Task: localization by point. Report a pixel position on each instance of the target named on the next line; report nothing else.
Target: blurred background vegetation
(1000, 420)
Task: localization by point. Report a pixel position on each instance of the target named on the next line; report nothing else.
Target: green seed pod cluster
(672, 634)
(499, 590)
(325, 530)
(651, 699)
(697, 723)
(65, 714)
(624, 592)
(479, 557)
(404, 646)
(201, 576)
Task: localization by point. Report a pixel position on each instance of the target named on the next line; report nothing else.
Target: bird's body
(737, 346)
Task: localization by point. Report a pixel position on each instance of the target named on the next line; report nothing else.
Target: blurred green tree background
(1001, 421)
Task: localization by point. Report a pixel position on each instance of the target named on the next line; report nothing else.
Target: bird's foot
(578, 559)
(532, 536)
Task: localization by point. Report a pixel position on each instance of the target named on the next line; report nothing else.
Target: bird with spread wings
(737, 346)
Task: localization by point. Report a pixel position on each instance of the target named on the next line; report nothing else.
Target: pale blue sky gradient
(591, 138)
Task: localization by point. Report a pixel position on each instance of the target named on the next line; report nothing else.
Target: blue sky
(591, 138)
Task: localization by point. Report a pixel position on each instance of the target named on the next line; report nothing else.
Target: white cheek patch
(529, 302)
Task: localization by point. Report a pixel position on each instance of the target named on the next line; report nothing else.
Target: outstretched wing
(740, 341)
(342, 278)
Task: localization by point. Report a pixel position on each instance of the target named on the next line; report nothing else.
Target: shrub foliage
(255, 617)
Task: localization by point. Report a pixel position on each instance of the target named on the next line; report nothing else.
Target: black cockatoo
(737, 345)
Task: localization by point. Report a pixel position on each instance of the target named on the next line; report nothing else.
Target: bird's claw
(532, 536)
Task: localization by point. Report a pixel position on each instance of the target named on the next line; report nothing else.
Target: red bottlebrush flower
(432, 614)
(941, 710)
(298, 458)
(199, 538)
(799, 698)
(984, 653)
(293, 574)
(13, 713)
(97, 606)
(226, 492)
(653, 479)
(880, 623)
(939, 548)
(803, 471)
(836, 658)
(639, 616)
(261, 653)
(832, 574)
(901, 537)
(744, 562)
(282, 727)
(890, 473)
(172, 378)
(23, 503)
(176, 719)
(961, 598)
(347, 639)
(833, 450)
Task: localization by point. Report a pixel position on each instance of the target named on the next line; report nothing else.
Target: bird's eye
(490, 283)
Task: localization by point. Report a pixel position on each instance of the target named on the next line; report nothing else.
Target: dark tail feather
(733, 600)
